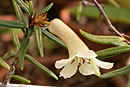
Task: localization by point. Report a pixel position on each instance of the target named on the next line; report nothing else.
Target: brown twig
(87, 3)
(112, 28)
(126, 36)
(10, 73)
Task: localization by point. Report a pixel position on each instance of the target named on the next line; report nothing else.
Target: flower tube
(80, 57)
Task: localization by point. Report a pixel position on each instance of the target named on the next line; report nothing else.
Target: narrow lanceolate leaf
(39, 39)
(15, 39)
(16, 8)
(111, 11)
(40, 66)
(114, 3)
(47, 8)
(19, 13)
(23, 5)
(119, 72)
(124, 3)
(9, 54)
(128, 84)
(22, 51)
(4, 64)
(113, 40)
(79, 10)
(31, 10)
(11, 24)
(52, 37)
(26, 1)
(20, 78)
(106, 53)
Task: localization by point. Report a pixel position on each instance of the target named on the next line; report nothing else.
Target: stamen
(83, 61)
(72, 61)
(79, 65)
(88, 60)
(45, 22)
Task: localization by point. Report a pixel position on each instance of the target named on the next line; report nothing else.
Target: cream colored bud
(72, 41)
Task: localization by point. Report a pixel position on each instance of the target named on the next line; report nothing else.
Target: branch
(112, 28)
(10, 73)
(87, 3)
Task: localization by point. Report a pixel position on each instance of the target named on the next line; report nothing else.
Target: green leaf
(128, 85)
(106, 53)
(114, 3)
(4, 30)
(124, 3)
(31, 10)
(26, 1)
(113, 40)
(119, 72)
(15, 39)
(47, 8)
(20, 78)
(40, 66)
(39, 39)
(11, 24)
(19, 13)
(52, 37)
(17, 8)
(4, 64)
(9, 54)
(114, 14)
(23, 5)
(79, 10)
(23, 49)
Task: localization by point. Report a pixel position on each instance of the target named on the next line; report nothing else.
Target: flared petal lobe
(86, 68)
(104, 65)
(60, 63)
(70, 69)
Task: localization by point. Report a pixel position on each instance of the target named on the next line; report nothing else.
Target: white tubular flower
(79, 54)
